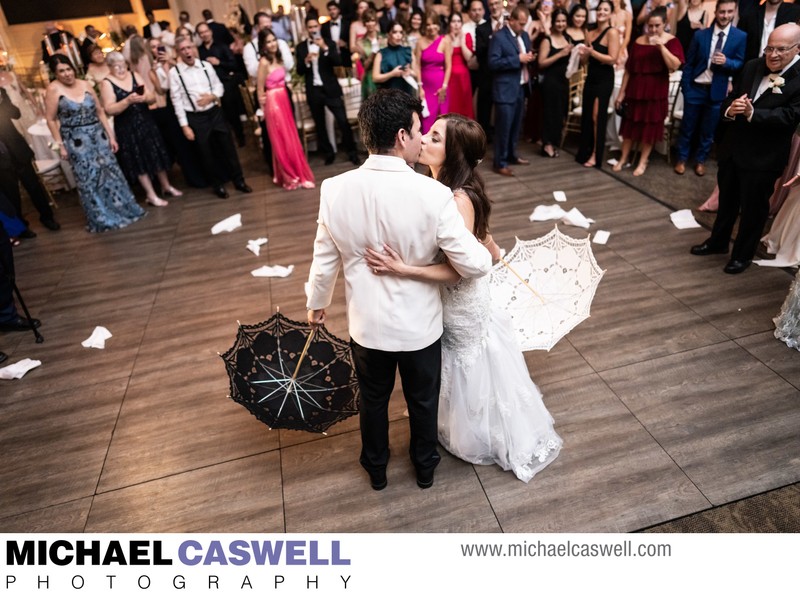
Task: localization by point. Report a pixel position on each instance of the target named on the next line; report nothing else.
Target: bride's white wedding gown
(490, 412)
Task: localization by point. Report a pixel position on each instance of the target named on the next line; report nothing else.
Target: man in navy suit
(715, 55)
(755, 136)
(509, 56)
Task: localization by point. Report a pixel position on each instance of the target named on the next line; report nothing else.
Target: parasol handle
(524, 282)
(303, 354)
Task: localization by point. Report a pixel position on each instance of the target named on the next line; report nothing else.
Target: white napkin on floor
(601, 237)
(547, 212)
(229, 224)
(273, 271)
(575, 218)
(684, 219)
(18, 369)
(254, 245)
(560, 196)
(98, 338)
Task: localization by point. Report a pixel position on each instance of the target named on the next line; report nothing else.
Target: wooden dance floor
(673, 397)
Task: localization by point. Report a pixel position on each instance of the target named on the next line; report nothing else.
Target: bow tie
(334, 24)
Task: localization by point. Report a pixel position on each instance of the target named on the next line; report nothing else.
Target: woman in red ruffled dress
(460, 83)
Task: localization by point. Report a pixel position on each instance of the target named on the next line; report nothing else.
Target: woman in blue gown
(81, 130)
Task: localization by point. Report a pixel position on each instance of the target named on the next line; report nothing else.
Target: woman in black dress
(142, 153)
(554, 53)
(600, 52)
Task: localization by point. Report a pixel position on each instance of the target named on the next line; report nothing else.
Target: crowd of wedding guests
(517, 68)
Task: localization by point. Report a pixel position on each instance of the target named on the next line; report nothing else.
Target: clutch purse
(621, 109)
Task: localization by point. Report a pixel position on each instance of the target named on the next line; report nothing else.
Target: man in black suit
(388, 16)
(316, 58)
(220, 31)
(221, 57)
(88, 43)
(771, 14)
(482, 77)
(16, 166)
(154, 28)
(755, 135)
(338, 30)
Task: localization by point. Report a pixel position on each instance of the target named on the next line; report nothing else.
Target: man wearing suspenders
(196, 91)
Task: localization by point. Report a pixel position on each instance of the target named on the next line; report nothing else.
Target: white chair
(52, 177)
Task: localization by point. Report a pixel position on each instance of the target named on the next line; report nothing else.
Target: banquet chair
(250, 107)
(52, 177)
(303, 119)
(674, 114)
(574, 110)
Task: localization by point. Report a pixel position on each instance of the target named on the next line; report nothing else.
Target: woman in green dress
(368, 47)
(394, 63)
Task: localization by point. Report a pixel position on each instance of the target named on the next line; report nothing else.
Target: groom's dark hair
(383, 115)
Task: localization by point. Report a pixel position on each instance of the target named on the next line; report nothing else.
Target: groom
(393, 322)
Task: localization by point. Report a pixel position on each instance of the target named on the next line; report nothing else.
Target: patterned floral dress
(104, 194)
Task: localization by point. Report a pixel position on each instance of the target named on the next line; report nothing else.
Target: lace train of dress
(288, 159)
(490, 411)
(787, 324)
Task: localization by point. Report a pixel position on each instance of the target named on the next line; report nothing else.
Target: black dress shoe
(736, 266)
(18, 324)
(425, 478)
(243, 187)
(330, 159)
(221, 192)
(704, 249)
(3, 357)
(51, 224)
(354, 159)
(377, 479)
(27, 234)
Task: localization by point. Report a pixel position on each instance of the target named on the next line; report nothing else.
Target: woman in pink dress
(434, 54)
(288, 159)
(460, 83)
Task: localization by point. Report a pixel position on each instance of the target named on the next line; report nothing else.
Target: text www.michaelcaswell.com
(566, 549)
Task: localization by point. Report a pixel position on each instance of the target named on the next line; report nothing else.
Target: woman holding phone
(142, 152)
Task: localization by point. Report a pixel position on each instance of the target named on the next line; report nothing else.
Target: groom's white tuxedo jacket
(385, 201)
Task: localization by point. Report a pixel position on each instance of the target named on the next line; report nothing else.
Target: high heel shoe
(544, 153)
(590, 162)
(156, 201)
(619, 166)
(640, 169)
(172, 191)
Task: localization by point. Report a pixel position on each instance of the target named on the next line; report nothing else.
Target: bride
(490, 412)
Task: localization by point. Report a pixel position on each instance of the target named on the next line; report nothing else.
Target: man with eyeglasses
(759, 24)
(759, 119)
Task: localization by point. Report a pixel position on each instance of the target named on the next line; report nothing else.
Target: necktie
(720, 39)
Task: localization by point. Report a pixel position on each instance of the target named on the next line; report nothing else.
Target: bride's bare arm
(390, 262)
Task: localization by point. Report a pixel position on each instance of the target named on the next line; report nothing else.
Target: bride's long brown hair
(464, 148)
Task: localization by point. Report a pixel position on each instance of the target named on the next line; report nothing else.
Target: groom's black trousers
(420, 374)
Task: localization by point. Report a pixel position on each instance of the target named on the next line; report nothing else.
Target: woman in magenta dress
(288, 159)
(434, 54)
(460, 84)
(645, 88)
